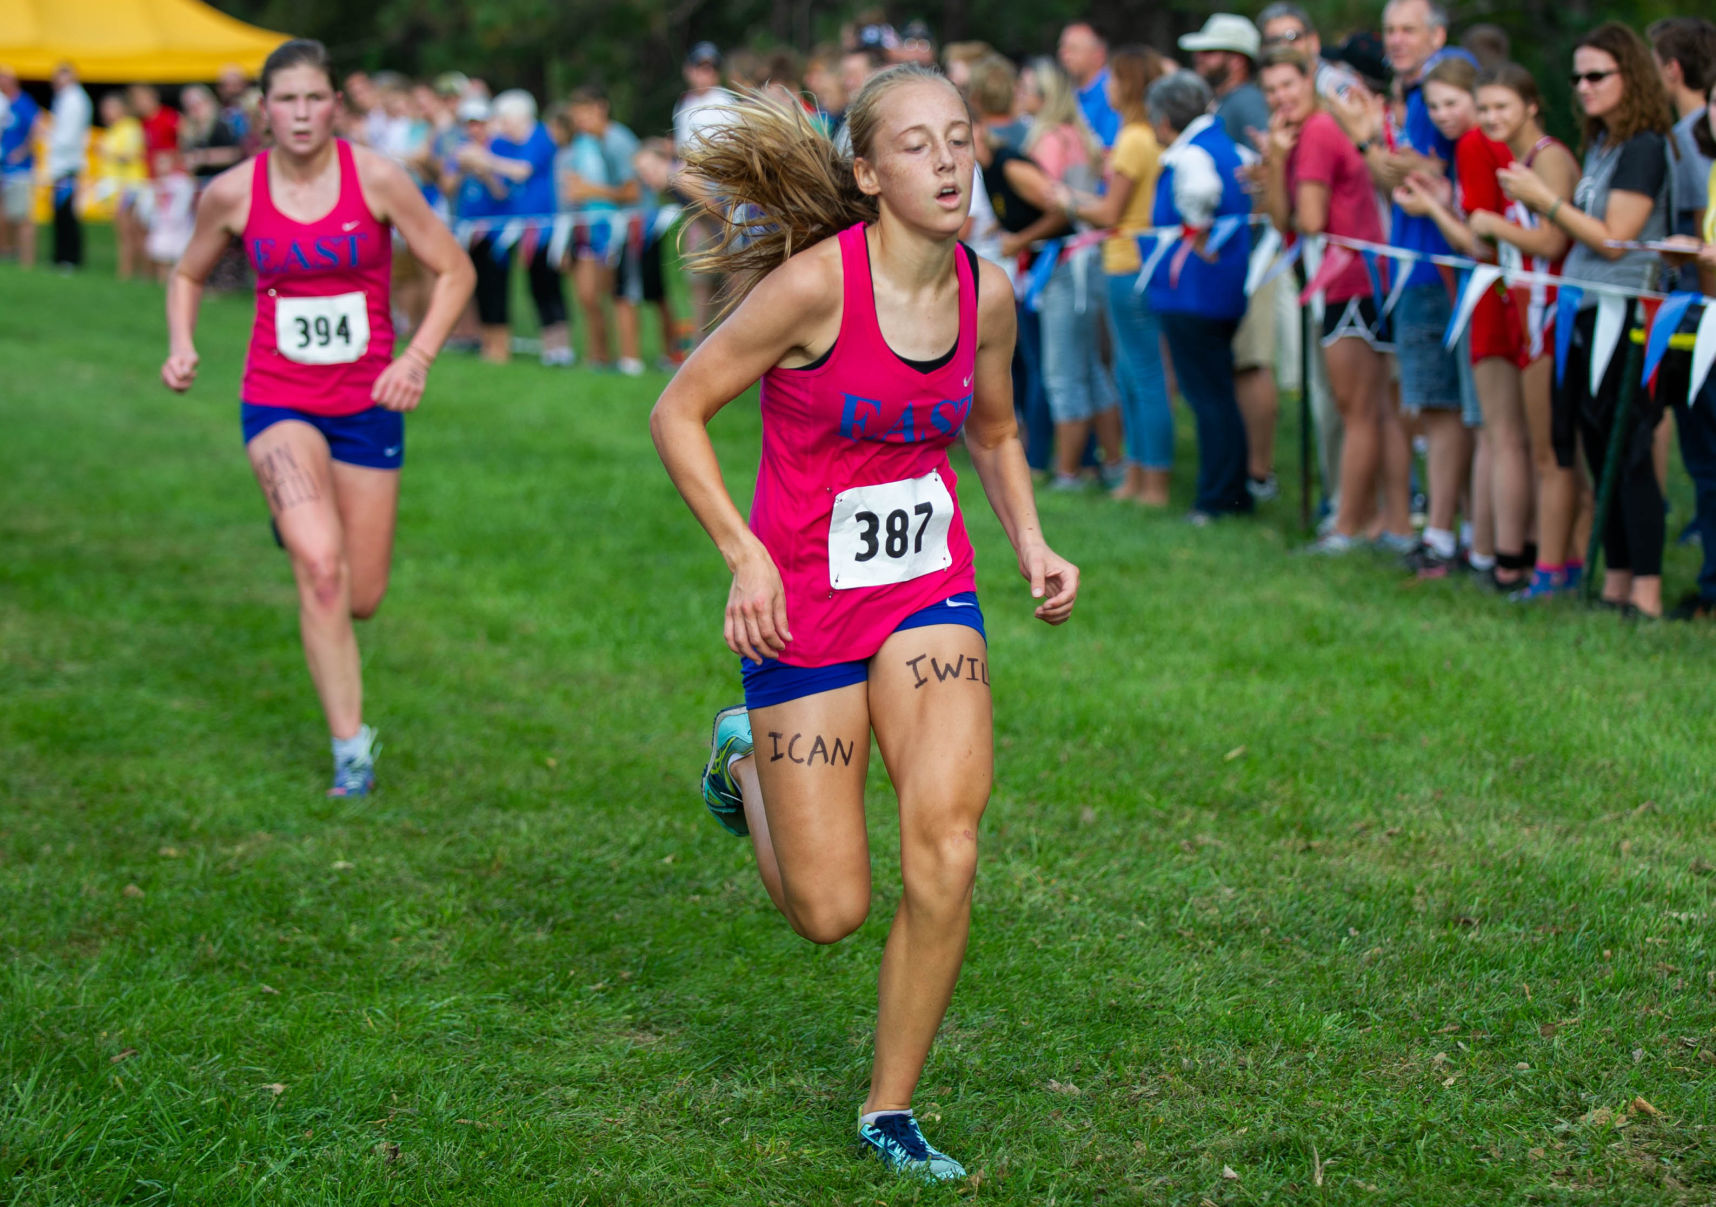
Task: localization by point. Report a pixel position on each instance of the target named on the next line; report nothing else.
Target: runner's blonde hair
(777, 183)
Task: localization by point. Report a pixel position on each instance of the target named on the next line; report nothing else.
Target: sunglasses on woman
(1592, 78)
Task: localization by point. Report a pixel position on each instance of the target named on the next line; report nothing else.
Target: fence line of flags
(1325, 258)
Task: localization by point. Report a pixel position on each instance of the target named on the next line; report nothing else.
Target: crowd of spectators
(1477, 461)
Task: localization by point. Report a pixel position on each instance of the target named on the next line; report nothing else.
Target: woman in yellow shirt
(121, 175)
(1128, 197)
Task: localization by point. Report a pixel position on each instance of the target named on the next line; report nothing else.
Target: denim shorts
(1471, 410)
(1429, 373)
(374, 439)
(772, 681)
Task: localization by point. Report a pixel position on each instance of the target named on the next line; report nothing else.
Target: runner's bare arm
(1622, 221)
(1560, 171)
(992, 436)
(221, 214)
(792, 314)
(392, 196)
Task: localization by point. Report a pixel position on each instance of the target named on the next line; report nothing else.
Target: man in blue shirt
(1434, 385)
(1084, 55)
(17, 170)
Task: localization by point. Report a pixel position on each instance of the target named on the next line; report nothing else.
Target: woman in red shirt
(1315, 183)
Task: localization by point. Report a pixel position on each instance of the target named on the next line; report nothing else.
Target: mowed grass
(1300, 883)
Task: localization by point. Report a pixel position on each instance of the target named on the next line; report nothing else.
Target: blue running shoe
(896, 1138)
(1544, 585)
(729, 740)
(354, 774)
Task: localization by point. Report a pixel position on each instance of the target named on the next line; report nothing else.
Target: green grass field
(1300, 883)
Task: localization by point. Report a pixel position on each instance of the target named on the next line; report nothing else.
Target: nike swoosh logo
(352, 226)
(968, 381)
(958, 603)
(390, 452)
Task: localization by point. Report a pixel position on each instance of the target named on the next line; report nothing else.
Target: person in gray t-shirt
(1623, 196)
(1685, 53)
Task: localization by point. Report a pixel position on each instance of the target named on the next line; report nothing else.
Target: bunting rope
(1327, 256)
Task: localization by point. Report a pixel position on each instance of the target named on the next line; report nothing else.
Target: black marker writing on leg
(826, 748)
(975, 670)
(913, 663)
(284, 481)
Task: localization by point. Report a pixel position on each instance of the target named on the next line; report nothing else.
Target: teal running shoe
(354, 775)
(896, 1139)
(729, 740)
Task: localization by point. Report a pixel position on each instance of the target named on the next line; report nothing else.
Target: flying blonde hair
(777, 183)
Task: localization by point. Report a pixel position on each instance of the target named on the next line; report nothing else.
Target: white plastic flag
(1611, 329)
(1703, 351)
(1262, 256)
(1478, 284)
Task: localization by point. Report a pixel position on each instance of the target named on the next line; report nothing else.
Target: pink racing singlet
(324, 321)
(855, 497)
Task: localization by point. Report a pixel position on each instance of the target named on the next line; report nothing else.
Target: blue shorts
(774, 682)
(596, 241)
(374, 439)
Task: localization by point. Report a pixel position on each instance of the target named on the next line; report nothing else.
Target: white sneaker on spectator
(630, 366)
(559, 358)
(1333, 544)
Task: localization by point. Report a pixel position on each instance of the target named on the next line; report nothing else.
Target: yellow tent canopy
(121, 41)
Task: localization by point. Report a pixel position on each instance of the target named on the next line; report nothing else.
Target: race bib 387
(889, 533)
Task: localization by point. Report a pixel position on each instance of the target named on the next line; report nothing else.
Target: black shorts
(1356, 318)
(638, 278)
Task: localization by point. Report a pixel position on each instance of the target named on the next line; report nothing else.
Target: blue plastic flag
(1567, 301)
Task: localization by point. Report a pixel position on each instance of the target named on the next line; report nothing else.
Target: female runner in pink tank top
(852, 605)
(323, 396)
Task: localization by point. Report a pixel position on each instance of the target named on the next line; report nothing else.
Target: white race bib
(891, 533)
(322, 331)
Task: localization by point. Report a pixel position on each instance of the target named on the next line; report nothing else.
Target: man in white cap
(1224, 53)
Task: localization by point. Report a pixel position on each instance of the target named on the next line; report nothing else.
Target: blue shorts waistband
(374, 439)
(773, 682)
